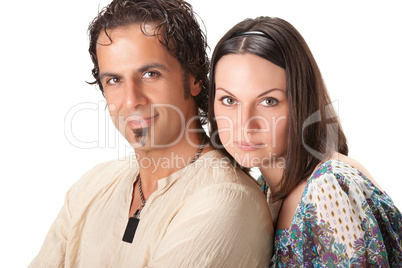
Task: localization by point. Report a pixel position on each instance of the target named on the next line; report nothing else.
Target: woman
(269, 108)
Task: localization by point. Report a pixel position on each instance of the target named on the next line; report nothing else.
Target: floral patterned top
(342, 220)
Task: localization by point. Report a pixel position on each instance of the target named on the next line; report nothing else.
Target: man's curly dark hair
(177, 30)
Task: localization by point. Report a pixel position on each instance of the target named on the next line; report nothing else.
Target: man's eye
(228, 101)
(149, 74)
(113, 80)
(269, 102)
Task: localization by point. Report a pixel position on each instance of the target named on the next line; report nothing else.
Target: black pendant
(131, 228)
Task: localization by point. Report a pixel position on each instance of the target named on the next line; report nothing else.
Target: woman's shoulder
(341, 170)
(340, 212)
(342, 193)
(354, 164)
(333, 181)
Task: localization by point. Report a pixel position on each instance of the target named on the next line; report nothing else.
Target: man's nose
(134, 95)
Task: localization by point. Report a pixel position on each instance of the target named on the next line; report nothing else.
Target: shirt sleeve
(339, 226)
(223, 226)
(57, 243)
(53, 250)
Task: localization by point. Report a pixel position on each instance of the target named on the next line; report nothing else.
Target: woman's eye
(228, 101)
(269, 102)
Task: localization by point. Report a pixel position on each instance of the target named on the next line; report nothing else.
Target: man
(179, 203)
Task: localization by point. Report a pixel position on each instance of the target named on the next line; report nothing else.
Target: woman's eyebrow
(225, 91)
(269, 91)
(262, 94)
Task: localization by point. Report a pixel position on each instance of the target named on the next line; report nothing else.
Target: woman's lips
(140, 122)
(249, 146)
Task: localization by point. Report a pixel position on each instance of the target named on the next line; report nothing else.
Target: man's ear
(195, 86)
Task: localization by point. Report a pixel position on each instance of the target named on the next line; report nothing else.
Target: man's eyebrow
(140, 70)
(103, 75)
(151, 66)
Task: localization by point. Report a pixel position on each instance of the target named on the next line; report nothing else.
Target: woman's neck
(273, 173)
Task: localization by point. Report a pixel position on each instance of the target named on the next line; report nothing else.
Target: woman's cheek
(225, 129)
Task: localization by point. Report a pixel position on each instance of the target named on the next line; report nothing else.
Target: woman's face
(251, 109)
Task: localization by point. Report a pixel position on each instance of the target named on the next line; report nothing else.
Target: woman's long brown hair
(314, 130)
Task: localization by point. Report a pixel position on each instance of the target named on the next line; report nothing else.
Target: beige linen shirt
(205, 215)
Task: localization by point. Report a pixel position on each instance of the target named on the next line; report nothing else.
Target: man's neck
(160, 163)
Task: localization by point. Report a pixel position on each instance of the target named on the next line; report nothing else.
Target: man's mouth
(136, 122)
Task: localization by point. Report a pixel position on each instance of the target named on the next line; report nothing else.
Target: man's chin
(138, 137)
(139, 142)
(140, 133)
(138, 145)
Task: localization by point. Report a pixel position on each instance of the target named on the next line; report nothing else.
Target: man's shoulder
(102, 176)
(214, 169)
(217, 186)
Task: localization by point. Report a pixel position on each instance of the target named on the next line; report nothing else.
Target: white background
(44, 65)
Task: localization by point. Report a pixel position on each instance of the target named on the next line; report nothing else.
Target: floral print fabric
(342, 220)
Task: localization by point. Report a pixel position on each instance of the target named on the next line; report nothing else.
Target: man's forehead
(106, 36)
(127, 48)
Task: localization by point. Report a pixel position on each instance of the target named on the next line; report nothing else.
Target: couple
(187, 199)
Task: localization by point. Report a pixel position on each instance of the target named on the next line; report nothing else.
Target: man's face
(143, 87)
